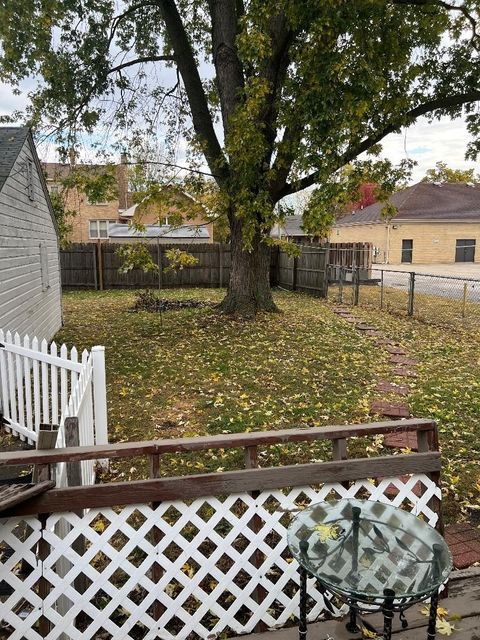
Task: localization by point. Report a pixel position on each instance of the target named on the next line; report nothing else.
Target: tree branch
(355, 150)
(132, 9)
(130, 63)
(171, 164)
(449, 7)
(287, 150)
(202, 120)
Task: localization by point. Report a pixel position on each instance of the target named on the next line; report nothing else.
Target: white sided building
(30, 287)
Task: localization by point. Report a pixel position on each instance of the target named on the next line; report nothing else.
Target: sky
(426, 143)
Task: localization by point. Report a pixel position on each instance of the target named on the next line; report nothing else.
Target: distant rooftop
(292, 227)
(424, 201)
(158, 231)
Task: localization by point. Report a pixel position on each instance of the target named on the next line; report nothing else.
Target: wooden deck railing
(251, 478)
(190, 556)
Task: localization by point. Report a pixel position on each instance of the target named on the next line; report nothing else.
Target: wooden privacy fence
(191, 556)
(96, 266)
(44, 384)
(351, 254)
(307, 272)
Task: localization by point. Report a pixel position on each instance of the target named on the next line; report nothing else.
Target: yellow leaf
(444, 627)
(99, 526)
(366, 633)
(327, 531)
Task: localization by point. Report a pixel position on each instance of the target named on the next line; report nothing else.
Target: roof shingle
(425, 201)
(12, 140)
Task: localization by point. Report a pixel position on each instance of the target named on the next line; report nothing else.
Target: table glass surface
(358, 548)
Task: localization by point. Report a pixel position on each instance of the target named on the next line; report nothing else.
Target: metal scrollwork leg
(403, 619)
(432, 619)
(302, 625)
(351, 625)
(388, 613)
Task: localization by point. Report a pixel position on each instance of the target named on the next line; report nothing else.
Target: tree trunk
(249, 286)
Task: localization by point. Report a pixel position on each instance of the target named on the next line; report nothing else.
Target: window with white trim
(53, 188)
(98, 229)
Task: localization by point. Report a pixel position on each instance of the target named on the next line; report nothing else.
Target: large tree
(278, 94)
(443, 173)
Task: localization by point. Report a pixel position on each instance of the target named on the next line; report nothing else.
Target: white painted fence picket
(41, 384)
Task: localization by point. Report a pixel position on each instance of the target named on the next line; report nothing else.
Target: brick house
(109, 221)
(435, 223)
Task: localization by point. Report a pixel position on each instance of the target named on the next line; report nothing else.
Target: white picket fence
(42, 384)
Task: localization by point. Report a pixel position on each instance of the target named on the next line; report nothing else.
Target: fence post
(100, 397)
(356, 285)
(464, 300)
(100, 265)
(341, 274)
(95, 271)
(294, 275)
(381, 289)
(157, 570)
(259, 593)
(74, 479)
(47, 438)
(159, 261)
(220, 266)
(411, 293)
(326, 273)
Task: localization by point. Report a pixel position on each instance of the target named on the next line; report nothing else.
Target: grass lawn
(190, 372)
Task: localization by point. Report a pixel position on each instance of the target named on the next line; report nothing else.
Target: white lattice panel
(213, 565)
(20, 571)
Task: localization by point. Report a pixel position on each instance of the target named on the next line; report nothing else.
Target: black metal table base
(388, 610)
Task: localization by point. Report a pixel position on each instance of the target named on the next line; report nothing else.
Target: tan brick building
(109, 221)
(435, 223)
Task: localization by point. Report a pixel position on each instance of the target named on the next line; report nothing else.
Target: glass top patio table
(359, 548)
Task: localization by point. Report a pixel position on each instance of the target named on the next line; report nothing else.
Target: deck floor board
(463, 600)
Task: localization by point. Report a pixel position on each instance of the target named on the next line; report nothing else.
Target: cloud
(428, 143)
(10, 102)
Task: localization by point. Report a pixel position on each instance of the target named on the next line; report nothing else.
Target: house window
(30, 191)
(54, 188)
(465, 250)
(98, 229)
(407, 250)
(163, 221)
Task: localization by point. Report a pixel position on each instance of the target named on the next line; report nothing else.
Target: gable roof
(12, 140)
(424, 201)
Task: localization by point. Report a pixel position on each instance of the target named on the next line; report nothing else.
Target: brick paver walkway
(464, 542)
(463, 539)
(389, 387)
(401, 440)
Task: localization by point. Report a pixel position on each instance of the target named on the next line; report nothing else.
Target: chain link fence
(440, 300)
